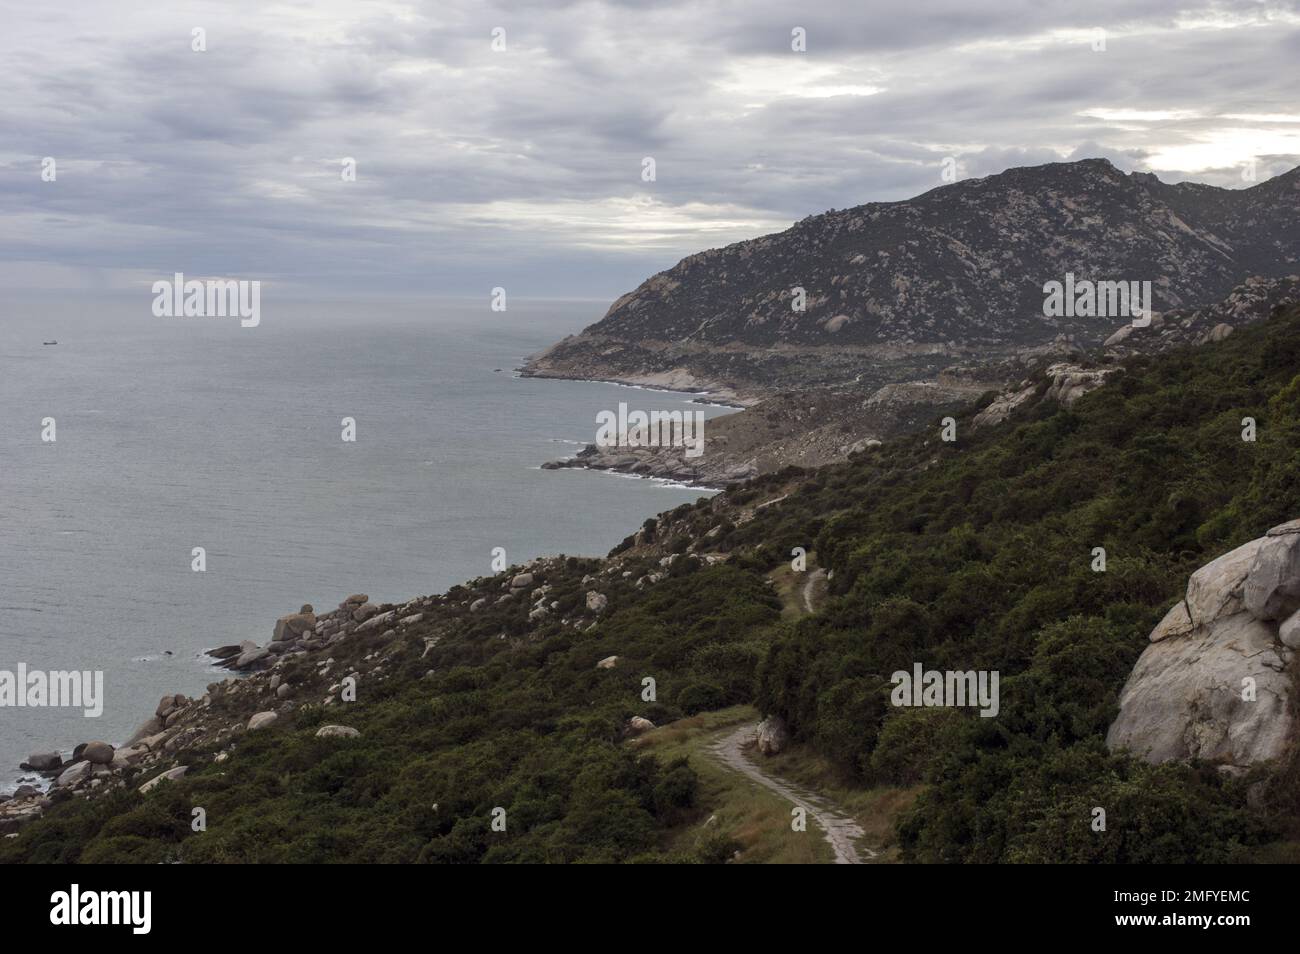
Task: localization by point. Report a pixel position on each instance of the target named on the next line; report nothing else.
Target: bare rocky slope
(810, 428)
(896, 288)
(916, 307)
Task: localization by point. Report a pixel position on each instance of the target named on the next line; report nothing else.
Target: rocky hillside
(896, 290)
(810, 428)
(796, 429)
(1249, 302)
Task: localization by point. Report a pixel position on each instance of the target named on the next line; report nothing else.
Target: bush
(701, 697)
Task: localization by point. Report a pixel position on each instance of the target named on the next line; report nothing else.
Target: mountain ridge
(957, 270)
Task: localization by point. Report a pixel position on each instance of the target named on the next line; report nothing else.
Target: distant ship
(49, 342)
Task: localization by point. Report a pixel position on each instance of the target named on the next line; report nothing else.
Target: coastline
(665, 471)
(725, 397)
(46, 782)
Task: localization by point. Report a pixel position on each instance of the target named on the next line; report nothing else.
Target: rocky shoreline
(221, 714)
(707, 397)
(810, 427)
(312, 660)
(675, 380)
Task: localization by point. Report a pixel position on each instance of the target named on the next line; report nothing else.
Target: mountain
(813, 427)
(897, 290)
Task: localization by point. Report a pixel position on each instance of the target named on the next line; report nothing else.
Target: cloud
(522, 167)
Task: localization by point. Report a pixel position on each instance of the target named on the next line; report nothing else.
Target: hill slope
(516, 694)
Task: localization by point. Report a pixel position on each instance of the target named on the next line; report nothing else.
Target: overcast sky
(522, 167)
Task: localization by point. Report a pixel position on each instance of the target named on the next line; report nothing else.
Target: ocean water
(182, 433)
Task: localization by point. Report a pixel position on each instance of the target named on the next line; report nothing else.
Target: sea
(171, 434)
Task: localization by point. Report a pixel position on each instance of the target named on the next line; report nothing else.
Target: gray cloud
(522, 168)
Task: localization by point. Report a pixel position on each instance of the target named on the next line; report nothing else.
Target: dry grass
(759, 819)
(756, 818)
(876, 809)
(789, 586)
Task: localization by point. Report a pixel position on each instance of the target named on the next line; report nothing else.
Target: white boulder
(261, 720)
(336, 732)
(171, 775)
(1214, 683)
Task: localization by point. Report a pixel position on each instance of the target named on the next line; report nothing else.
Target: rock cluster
(1065, 383)
(306, 630)
(659, 463)
(93, 766)
(528, 586)
(1070, 382)
(1251, 301)
(1215, 681)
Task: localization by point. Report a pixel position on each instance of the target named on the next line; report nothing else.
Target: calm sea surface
(182, 433)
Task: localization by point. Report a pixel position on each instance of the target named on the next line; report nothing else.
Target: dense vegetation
(973, 555)
(978, 556)
(526, 725)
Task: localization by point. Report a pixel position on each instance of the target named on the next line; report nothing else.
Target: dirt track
(841, 830)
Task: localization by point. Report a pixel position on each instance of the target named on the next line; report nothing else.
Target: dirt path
(841, 830)
(815, 577)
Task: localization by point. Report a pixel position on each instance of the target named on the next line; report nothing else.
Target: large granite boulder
(1272, 590)
(1214, 683)
(171, 775)
(637, 725)
(383, 620)
(261, 720)
(364, 612)
(44, 762)
(1289, 631)
(98, 753)
(250, 658)
(1216, 589)
(148, 728)
(295, 625)
(73, 775)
